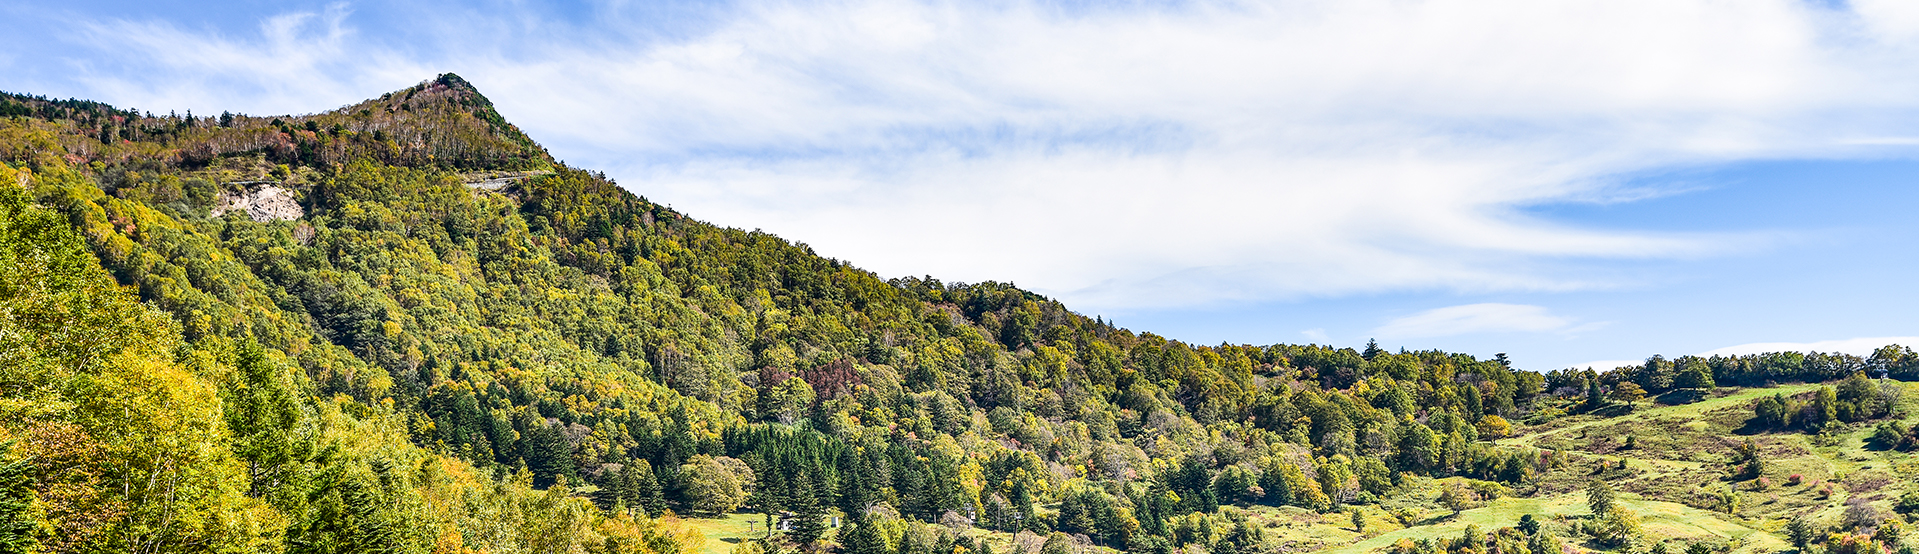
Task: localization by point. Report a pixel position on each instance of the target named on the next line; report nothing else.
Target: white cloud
(1476, 318)
(1863, 346)
(298, 62)
(1125, 158)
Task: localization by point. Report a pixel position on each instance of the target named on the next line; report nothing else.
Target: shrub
(1908, 504)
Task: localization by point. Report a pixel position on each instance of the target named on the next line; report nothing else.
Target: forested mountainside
(446, 341)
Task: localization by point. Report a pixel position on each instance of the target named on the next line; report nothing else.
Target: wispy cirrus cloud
(1137, 156)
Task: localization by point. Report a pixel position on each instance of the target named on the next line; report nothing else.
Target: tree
(1494, 427)
(1057, 543)
(1628, 392)
(1543, 543)
(1599, 497)
(1727, 500)
(1800, 532)
(862, 537)
(1887, 435)
(1236, 484)
(1656, 375)
(1528, 524)
(1772, 411)
(789, 400)
(713, 486)
(547, 452)
(1615, 527)
(1825, 409)
(640, 489)
(1373, 350)
(809, 514)
(1694, 376)
(1595, 396)
(1456, 497)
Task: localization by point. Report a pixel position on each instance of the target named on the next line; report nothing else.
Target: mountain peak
(443, 122)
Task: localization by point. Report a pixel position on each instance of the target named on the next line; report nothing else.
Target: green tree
(1543, 543)
(1628, 392)
(862, 537)
(1772, 411)
(1528, 524)
(1057, 543)
(1456, 497)
(715, 486)
(789, 400)
(1800, 532)
(809, 514)
(1615, 527)
(1825, 409)
(1595, 396)
(1236, 484)
(1599, 497)
(1694, 376)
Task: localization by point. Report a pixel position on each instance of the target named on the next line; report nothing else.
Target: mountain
(402, 326)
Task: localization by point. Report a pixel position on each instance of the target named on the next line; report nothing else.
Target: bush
(1908, 504)
(1888, 435)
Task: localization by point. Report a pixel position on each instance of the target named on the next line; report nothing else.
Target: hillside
(402, 326)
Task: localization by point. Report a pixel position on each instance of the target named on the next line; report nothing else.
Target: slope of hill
(454, 343)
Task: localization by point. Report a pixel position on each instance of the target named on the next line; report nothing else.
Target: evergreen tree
(646, 490)
(862, 537)
(1528, 524)
(809, 515)
(547, 453)
(1800, 532)
(1599, 497)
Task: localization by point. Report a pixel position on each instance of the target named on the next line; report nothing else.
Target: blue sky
(1570, 183)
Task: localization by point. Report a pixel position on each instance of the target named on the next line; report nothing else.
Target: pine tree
(645, 488)
(863, 538)
(1595, 397)
(1800, 532)
(856, 489)
(1599, 496)
(809, 515)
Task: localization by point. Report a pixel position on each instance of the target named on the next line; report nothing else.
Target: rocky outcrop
(264, 203)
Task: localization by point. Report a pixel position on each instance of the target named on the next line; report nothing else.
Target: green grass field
(723, 533)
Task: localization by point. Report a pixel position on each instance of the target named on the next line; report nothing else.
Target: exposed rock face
(267, 203)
